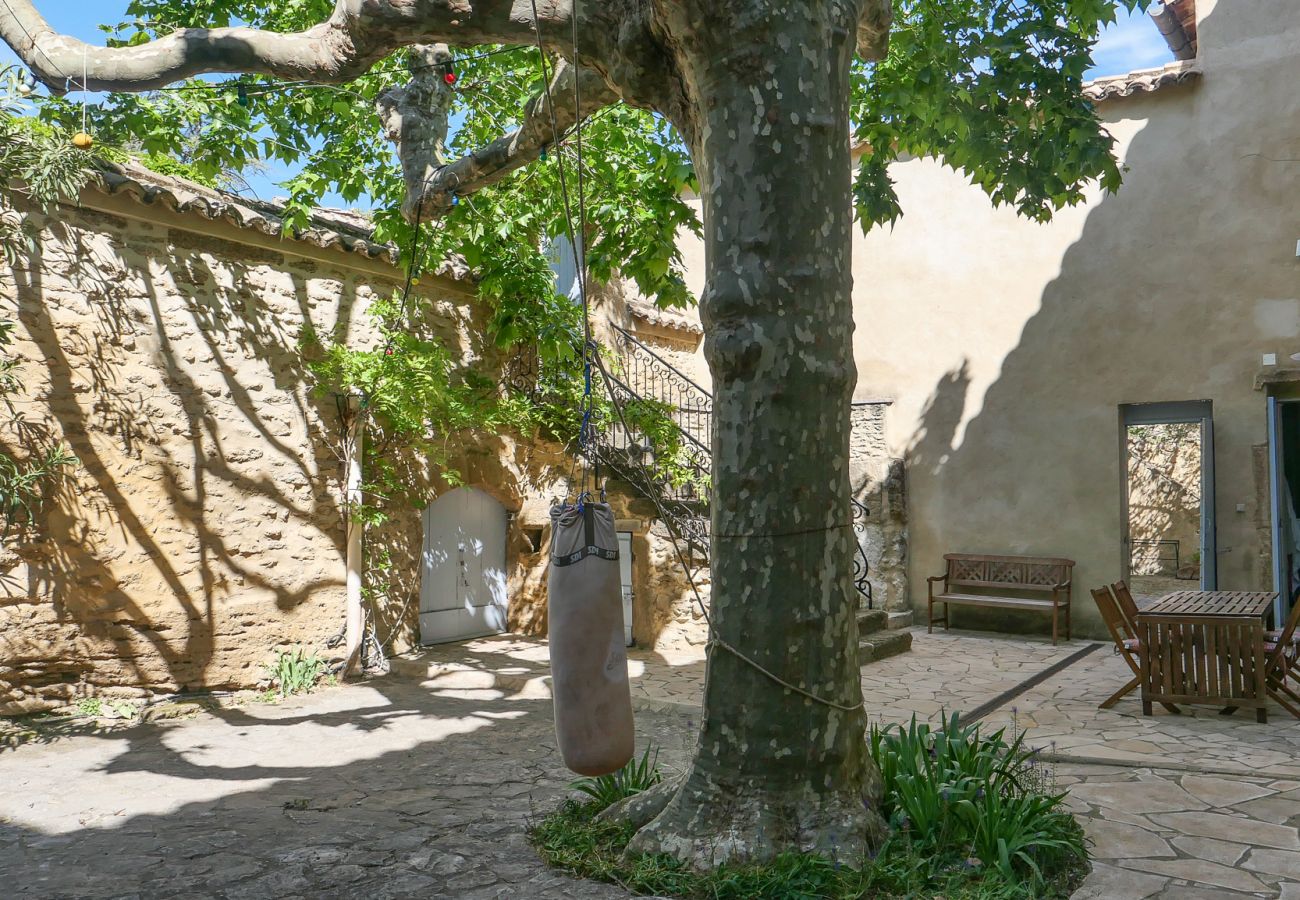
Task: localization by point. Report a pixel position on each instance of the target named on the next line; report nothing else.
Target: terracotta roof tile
(1142, 81)
(1186, 12)
(344, 230)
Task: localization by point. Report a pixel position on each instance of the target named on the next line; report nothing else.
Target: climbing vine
(410, 391)
(36, 171)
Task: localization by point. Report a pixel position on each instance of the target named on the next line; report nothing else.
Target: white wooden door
(625, 577)
(463, 567)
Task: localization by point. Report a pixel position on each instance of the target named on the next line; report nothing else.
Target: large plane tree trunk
(775, 770)
(760, 90)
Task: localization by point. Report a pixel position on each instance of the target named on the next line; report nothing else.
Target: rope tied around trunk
(714, 638)
(592, 359)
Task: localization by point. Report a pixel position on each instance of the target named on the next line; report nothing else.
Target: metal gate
(463, 567)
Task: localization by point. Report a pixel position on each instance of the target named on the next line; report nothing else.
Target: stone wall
(202, 528)
(879, 484)
(1164, 497)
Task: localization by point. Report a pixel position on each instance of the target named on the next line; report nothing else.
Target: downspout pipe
(355, 620)
(1172, 30)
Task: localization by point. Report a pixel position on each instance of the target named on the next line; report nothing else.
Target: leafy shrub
(295, 671)
(955, 787)
(95, 707)
(635, 777)
(973, 817)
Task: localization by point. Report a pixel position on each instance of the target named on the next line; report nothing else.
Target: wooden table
(1205, 647)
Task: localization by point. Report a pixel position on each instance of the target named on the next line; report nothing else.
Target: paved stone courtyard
(421, 784)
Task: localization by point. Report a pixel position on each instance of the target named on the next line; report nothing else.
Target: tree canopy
(991, 87)
(751, 104)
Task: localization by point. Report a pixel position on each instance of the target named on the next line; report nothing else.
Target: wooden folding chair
(1281, 660)
(1126, 643)
(1293, 650)
(1127, 606)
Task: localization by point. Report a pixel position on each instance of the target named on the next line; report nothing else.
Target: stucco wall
(1008, 346)
(202, 528)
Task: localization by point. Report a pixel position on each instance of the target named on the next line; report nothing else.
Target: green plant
(1020, 834)
(90, 706)
(672, 457)
(24, 482)
(296, 671)
(573, 838)
(635, 777)
(414, 394)
(973, 816)
(954, 786)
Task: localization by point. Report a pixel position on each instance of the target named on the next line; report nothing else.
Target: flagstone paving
(1175, 804)
(422, 786)
(381, 790)
(956, 672)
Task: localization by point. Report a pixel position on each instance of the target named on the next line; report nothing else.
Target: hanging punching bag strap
(591, 548)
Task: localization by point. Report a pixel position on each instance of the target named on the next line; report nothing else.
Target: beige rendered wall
(202, 528)
(1008, 346)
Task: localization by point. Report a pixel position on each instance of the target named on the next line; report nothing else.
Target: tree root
(640, 808)
(707, 825)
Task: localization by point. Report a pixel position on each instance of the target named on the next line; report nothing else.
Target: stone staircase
(882, 634)
(641, 374)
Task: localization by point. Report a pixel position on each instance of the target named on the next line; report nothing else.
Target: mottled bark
(356, 35)
(775, 770)
(415, 118)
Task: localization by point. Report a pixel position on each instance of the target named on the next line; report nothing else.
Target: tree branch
(354, 37)
(873, 29)
(415, 118)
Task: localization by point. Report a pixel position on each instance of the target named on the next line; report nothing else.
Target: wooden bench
(1005, 581)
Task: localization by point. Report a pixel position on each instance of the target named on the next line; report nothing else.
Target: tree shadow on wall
(1156, 300)
(193, 483)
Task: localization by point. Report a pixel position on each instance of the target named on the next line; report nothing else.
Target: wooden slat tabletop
(1213, 603)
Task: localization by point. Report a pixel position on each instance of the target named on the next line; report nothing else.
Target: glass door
(1167, 450)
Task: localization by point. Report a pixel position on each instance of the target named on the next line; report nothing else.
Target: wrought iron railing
(1153, 557)
(647, 374)
(680, 489)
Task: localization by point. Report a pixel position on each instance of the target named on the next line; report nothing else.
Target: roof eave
(1142, 81)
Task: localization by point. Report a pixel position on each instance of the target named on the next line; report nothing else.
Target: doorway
(463, 567)
(1284, 490)
(625, 581)
(1167, 451)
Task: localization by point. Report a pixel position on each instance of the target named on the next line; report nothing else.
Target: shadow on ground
(387, 789)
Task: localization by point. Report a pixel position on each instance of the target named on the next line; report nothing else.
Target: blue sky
(1131, 43)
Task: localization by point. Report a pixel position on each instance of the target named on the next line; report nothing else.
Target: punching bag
(593, 704)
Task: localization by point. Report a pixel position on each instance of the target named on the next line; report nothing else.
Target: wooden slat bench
(1007, 579)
